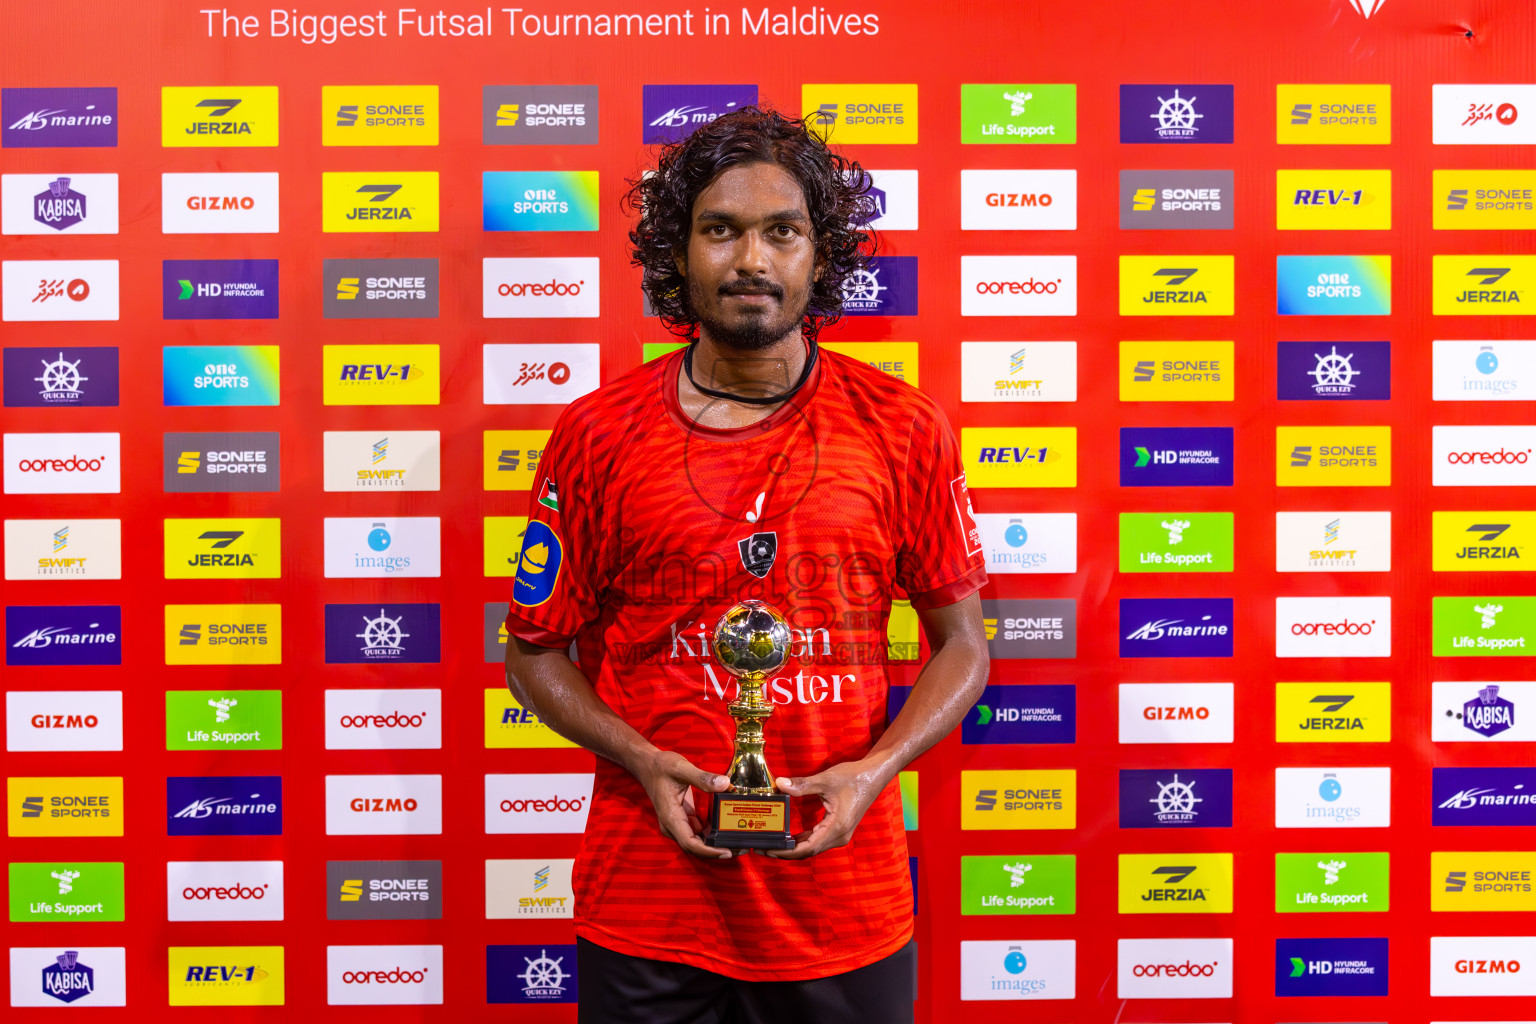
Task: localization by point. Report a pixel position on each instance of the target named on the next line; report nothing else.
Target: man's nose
(751, 255)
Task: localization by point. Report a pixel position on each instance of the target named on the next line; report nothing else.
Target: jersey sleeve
(554, 591)
(940, 560)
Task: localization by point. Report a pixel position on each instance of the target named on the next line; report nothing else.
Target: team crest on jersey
(758, 551)
(538, 566)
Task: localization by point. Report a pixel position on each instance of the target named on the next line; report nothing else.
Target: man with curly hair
(750, 464)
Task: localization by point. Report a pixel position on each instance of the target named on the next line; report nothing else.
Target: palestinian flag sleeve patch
(549, 497)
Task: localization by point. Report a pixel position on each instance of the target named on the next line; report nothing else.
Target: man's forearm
(946, 688)
(547, 683)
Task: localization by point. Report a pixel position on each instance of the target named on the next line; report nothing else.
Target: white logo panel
(1482, 965)
(1018, 970)
(1333, 627)
(1018, 371)
(1484, 456)
(895, 200)
(1028, 542)
(1333, 541)
(58, 204)
(529, 888)
(383, 719)
(1333, 797)
(35, 968)
(224, 890)
(537, 804)
(1483, 712)
(1177, 712)
(58, 289)
(384, 975)
(383, 805)
(539, 287)
(1018, 285)
(1174, 969)
(219, 204)
(63, 549)
(1484, 371)
(1467, 115)
(383, 460)
(63, 720)
(1033, 200)
(63, 463)
(383, 548)
(539, 374)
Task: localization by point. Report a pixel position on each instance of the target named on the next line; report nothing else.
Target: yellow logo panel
(1485, 200)
(226, 976)
(378, 201)
(223, 634)
(1333, 712)
(861, 113)
(1338, 199)
(1018, 799)
(503, 543)
(381, 374)
(897, 358)
(378, 115)
(1177, 286)
(1482, 880)
(1483, 541)
(56, 806)
(1333, 115)
(218, 115)
(223, 549)
(1176, 371)
(510, 726)
(1328, 456)
(512, 458)
(1019, 456)
(1496, 285)
(1175, 883)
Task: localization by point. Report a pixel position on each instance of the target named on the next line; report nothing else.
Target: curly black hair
(837, 197)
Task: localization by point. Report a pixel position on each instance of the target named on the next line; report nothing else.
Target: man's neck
(752, 373)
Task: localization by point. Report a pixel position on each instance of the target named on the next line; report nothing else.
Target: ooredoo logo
(1187, 969)
(229, 890)
(1174, 969)
(1497, 456)
(383, 719)
(380, 805)
(1333, 627)
(1018, 285)
(540, 287)
(516, 804)
(63, 463)
(384, 975)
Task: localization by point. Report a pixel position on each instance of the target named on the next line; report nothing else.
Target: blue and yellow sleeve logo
(538, 567)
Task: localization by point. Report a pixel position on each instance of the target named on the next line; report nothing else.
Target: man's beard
(753, 332)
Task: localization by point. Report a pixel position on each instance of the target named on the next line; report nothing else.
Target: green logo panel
(1176, 542)
(1018, 113)
(64, 891)
(1485, 626)
(1330, 882)
(1018, 885)
(224, 720)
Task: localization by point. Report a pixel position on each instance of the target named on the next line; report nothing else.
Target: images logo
(1330, 456)
(55, 118)
(1175, 883)
(197, 549)
(226, 975)
(1175, 113)
(63, 635)
(379, 201)
(1031, 628)
(1333, 797)
(224, 720)
(1030, 113)
(1333, 285)
(73, 891)
(378, 634)
(1176, 542)
(528, 888)
(1331, 967)
(1018, 970)
(1039, 799)
(553, 115)
(1176, 713)
(537, 804)
(1174, 969)
(1020, 457)
(1177, 286)
(220, 375)
(1018, 285)
(1483, 114)
(60, 376)
(224, 805)
(378, 115)
(219, 115)
(383, 805)
(1484, 371)
(1022, 200)
(1016, 371)
(1336, 115)
(1035, 543)
(1022, 714)
(1176, 627)
(223, 634)
(1177, 798)
(380, 289)
(510, 726)
(219, 204)
(1331, 882)
(370, 460)
(854, 114)
(1175, 456)
(407, 546)
(530, 974)
(539, 200)
(35, 290)
(1474, 712)
(227, 890)
(63, 806)
(1333, 712)
(381, 374)
(46, 204)
(240, 461)
(1315, 371)
(538, 374)
(670, 113)
(384, 890)
(1333, 200)
(1497, 285)
(1176, 200)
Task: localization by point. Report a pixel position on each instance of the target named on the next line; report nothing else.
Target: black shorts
(613, 988)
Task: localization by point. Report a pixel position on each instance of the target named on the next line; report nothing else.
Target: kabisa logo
(1331, 967)
(198, 549)
(539, 200)
(1471, 712)
(1176, 627)
(1333, 200)
(1483, 114)
(66, 891)
(242, 461)
(513, 115)
(379, 115)
(1483, 796)
(1031, 628)
(220, 374)
(1022, 714)
(887, 286)
(64, 635)
(1484, 371)
(383, 634)
(1352, 712)
(530, 974)
(1351, 114)
(384, 890)
(1176, 798)
(1333, 797)
(1176, 542)
(671, 112)
(1170, 968)
(1484, 626)
(1485, 200)
(224, 720)
(383, 719)
(1175, 883)
(1175, 113)
(380, 289)
(1493, 455)
(383, 548)
(1308, 371)
(49, 204)
(226, 975)
(381, 374)
(224, 805)
(1177, 286)
(224, 890)
(61, 376)
(383, 805)
(223, 634)
(537, 804)
(68, 979)
(219, 115)
(1018, 970)
(52, 118)
(861, 113)
(1018, 885)
(1333, 285)
(1331, 882)
(50, 976)
(1176, 200)
(1018, 113)
(1176, 456)
(379, 201)
(384, 975)
(1495, 285)
(1030, 799)
(55, 806)
(1482, 541)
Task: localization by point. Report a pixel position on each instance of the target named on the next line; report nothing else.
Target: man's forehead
(751, 192)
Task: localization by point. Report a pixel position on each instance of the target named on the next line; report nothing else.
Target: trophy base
(749, 823)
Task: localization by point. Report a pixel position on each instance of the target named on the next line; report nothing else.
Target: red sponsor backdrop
(1409, 44)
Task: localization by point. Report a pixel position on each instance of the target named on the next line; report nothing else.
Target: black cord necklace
(805, 375)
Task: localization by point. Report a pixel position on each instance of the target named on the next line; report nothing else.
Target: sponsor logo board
(199, 549)
(1481, 541)
(1333, 456)
(1484, 626)
(1019, 714)
(1475, 712)
(1019, 457)
(1176, 371)
(63, 463)
(512, 458)
(519, 287)
(1181, 627)
(532, 115)
(49, 976)
(1333, 627)
(1018, 113)
(76, 549)
(1331, 967)
(886, 286)
(670, 113)
(1176, 542)
(224, 890)
(381, 374)
(1017, 371)
(381, 634)
(1024, 799)
(231, 203)
(1018, 885)
(891, 203)
(1333, 285)
(530, 974)
(383, 548)
(509, 725)
(218, 116)
(1333, 200)
(1176, 200)
(33, 290)
(1491, 200)
(384, 890)
(224, 720)
(1176, 798)
(537, 804)
(66, 891)
(1480, 114)
(1175, 883)
(379, 115)
(205, 463)
(1042, 542)
(226, 975)
(529, 889)
(220, 374)
(383, 805)
(1482, 881)
(1482, 371)
(1173, 968)
(383, 719)
(51, 118)
(1178, 114)
(1176, 456)
(1333, 541)
(375, 201)
(72, 634)
(1333, 797)
(1041, 969)
(1331, 372)
(539, 374)
(56, 204)
(1355, 114)
(1483, 456)
(1482, 965)
(897, 358)
(61, 376)
(1018, 285)
(63, 720)
(1177, 286)
(1483, 796)
(382, 460)
(223, 634)
(63, 806)
(1023, 628)
(1177, 712)
(1331, 882)
(1021, 200)
(384, 975)
(1494, 285)
(224, 805)
(1345, 712)
(539, 200)
(859, 113)
(380, 289)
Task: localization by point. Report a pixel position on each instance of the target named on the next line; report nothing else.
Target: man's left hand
(846, 791)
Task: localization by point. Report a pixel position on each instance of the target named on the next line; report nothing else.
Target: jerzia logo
(218, 115)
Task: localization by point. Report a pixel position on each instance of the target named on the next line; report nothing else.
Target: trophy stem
(749, 774)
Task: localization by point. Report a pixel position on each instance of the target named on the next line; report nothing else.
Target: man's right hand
(669, 779)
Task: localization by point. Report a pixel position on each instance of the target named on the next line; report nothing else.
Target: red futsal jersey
(645, 527)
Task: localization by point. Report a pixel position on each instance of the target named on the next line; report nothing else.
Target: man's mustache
(752, 288)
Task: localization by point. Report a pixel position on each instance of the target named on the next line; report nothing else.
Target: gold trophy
(751, 640)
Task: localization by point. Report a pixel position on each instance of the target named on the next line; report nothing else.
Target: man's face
(751, 260)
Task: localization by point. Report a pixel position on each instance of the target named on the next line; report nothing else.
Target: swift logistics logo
(58, 204)
(1333, 541)
(1031, 628)
(1496, 881)
(1175, 883)
(1333, 285)
(1318, 371)
(670, 113)
(219, 289)
(223, 634)
(539, 200)
(61, 376)
(383, 719)
(218, 115)
(1314, 883)
(353, 201)
(1177, 371)
(1491, 200)
(1033, 799)
(1035, 543)
(1018, 885)
(384, 890)
(225, 375)
(1483, 796)
(224, 890)
(1019, 456)
(1176, 456)
(57, 720)
(1333, 115)
(374, 634)
(1176, 200)
(226, 975)
(1183, 627)
(1495, 285)
(1333, 797)
(380, 289)
(1016, 371)
(529, 888)
(527, 115)
(59, 806)
(1331, 967)
(1484, 626)
(53, 118)
(1176, 542)
(1342, 712)
(51, 290)
(66, 891)
(1333, 200)
(1483, 114)
(1177, 713)
(76, 634)
(1484, 371)
(1333, 627)
(860, 113)
(1177, 285)
(1483, 541)
(1018, 285)
(224, 805)
(381, 374)
(204, 463)
(1179, 114)
(1018, 970)
(224, 720)
(1176, 798)
(1333, 456)
(1018, 200)
(382, 460)
(1018, 113)
(1021, 714)
(229, 203)
(85, 549)
(226, 549)
(379, 115)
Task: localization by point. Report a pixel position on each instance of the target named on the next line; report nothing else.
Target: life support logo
(538, 568)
